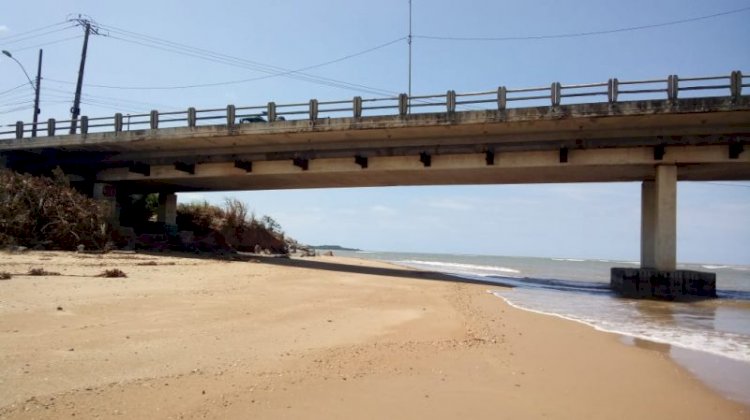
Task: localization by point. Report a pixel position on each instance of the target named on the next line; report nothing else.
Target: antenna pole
(409, 40)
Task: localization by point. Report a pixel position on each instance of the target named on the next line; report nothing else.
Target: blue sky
(573, 220)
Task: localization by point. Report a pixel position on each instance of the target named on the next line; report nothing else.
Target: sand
(323, 338)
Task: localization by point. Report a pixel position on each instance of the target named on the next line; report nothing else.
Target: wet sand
(316, 338)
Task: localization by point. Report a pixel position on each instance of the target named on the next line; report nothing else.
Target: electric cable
(33, 30)
(15, 50)
(34, 36)
(583, 34)
(14, 88)
(157, 43)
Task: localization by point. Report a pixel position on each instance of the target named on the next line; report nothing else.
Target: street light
(33, 87)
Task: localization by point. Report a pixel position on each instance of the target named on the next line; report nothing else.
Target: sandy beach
(319, 338)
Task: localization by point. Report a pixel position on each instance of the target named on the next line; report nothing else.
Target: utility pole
(89, 27)
(76, 110)
(37, 111)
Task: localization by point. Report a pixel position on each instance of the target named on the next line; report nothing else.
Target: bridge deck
(570, 143)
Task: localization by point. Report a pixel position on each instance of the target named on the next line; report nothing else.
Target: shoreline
(703, 365)
(724, 374)
(319, 338)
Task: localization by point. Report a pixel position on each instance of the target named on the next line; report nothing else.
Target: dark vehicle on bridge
(258, 118)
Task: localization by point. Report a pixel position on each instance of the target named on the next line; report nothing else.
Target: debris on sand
(113, 273)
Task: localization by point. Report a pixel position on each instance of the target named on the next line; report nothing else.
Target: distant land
(335, 248)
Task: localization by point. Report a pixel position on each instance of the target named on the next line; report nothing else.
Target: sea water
(711, 338)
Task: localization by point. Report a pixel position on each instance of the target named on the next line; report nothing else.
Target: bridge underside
(694, 163)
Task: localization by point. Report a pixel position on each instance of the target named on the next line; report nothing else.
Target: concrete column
(107, 194)
(665, 226)
(659, 220)
(167, 213)
(648, 221)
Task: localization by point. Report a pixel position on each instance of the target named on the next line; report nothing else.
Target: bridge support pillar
(107, 194)
(167, 212)
(659, 220)
(658, 276)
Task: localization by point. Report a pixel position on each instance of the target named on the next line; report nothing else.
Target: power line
(17, 103)
(583, 34)
(274, 73)
(17, 96)
(157, 43)
(20, 108)
(33, 30)
(151, 105)
(294, 74)
(12, 89)
(35, 36)
(15, 50)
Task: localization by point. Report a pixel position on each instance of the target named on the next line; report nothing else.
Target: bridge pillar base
(649, 283)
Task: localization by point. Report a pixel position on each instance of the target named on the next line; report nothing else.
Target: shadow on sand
(373, 271)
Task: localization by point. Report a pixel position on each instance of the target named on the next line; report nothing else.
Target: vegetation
(335, 248)
(47, 213)
(4, 275)
(232, 226)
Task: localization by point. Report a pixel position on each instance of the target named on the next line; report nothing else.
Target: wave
(468, 267)
(568, 259)
(725, 344)
(557, 284)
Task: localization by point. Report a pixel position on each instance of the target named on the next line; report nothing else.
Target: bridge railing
(500, 99)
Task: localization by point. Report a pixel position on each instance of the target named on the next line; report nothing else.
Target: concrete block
(647, 283)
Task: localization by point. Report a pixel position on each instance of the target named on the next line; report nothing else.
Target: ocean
(710, 338)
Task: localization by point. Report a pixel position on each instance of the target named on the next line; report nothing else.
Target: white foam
(568, 259)
(467, 267)
(733, 346)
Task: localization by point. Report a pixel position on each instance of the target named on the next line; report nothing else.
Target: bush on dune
(47, 213)
(234, 223)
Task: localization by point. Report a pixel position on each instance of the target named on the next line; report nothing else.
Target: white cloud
(3, 28)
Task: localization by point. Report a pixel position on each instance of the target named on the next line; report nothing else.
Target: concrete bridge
(566, 133)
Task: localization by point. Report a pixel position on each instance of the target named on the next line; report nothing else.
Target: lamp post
(35, 87)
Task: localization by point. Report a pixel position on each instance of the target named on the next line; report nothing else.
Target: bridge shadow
(317, 264)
